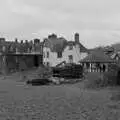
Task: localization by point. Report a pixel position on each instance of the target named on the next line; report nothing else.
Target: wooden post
(90, 67)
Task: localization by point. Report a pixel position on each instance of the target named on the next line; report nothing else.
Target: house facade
(56, 50)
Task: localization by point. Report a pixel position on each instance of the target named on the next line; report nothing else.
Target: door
(70, 57)
(36, 60)
(118, 78)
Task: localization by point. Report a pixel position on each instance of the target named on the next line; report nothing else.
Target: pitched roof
(7, 45)
(56, 44)
(97, 56)
(59, 44)
(115, 55)
(82, 48)
(21, 47)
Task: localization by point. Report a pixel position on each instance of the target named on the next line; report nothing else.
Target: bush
(92, 80)
(111, 78)
(99, 80)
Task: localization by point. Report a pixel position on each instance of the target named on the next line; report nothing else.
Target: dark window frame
(70, 57)
(48, 54)
(59, 54)
(48, 63)
(70, 47)
(44, 54)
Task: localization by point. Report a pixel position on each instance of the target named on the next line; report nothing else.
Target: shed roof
(97, 56)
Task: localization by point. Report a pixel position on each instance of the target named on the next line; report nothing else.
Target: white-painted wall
(53, 60)
(75, 52)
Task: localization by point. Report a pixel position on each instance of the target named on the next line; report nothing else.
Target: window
(3, 48)
(59, 54)
(44, 54)
(11, 49)
(48, 63)
(70, 47)
(70, 59)
(47, 54)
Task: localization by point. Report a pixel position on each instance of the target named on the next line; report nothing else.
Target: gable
(55, 45)
(82, 48)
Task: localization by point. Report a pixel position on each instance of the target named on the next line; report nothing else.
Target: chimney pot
(52, 36)
(36, 41)
(26, 41)
(21, 41)
(16, 40)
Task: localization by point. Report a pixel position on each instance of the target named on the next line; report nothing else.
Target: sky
(97, 21)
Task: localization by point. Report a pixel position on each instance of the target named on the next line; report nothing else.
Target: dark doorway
(118, 78)
(36, 61)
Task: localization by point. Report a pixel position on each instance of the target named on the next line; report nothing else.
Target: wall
(53, 60)
(75, 52)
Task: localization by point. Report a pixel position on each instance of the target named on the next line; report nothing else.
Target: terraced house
(57, 50)
(16, 55)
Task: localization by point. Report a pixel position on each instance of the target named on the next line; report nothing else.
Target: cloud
(95, 20)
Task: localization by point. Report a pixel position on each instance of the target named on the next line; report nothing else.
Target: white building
(57, 50)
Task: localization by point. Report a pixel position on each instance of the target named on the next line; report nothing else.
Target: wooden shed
(97, 61)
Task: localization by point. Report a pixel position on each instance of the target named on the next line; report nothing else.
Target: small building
(56, 50)
(97, 61)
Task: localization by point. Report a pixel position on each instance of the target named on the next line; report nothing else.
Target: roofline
(20, 54)
(97, 62)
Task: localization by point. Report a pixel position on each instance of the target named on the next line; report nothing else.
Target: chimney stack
(76, 37)
(16, 40)
(26, 41)
(36, 41)
(21, 41)
(52, 36)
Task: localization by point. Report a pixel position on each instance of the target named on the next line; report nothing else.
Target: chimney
(16, 40)
(36, 41)
(21, 41)
(31, 42)
(52, 36)
(76, 37)
(26, 41)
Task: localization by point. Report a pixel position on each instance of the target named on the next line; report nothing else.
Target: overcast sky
(97, 21)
